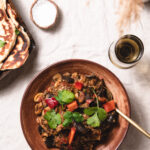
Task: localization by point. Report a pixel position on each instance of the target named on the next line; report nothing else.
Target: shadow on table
(28, 68)
(147, 4)
(21, 73)
(134, 138)
(142, 71)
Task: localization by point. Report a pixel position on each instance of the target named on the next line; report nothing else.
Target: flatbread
(7, 32)
(20, 52)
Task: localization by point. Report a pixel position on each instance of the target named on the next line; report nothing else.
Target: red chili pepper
(71, 135)
(109, 106)
(89, 101)
(51, 102)
(78, 85)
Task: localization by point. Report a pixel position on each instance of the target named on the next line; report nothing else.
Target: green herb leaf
(49, 115)
(53, 119)
(77, 117)
(93, 121)
(17, 32)
(68, 115)
(59, 100)
(65, 97)
(90, 111)
(68, 118)
(67, 122)
(58, 118)
(59, 97)
(52, 124)
(2, 43)
(101, 114)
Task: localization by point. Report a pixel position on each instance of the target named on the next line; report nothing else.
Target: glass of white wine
(126, 52)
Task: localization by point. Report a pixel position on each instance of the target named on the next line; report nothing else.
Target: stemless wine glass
(126, 52)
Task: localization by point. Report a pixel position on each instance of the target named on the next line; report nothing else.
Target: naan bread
(12, 14)
(7, 32)
(20, 52)
(1, 65)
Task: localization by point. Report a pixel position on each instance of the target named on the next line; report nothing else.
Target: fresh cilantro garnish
(59, 97)
(17, 32)
(93, 121)
(49, 115)
(99, 114)
(70, 116)
(2, 43)
(77, 117)
(65, 97)
(67, 122)
(53, 119)
(90, 111)
(67, 115)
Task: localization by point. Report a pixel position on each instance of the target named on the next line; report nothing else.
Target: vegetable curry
(76, 112)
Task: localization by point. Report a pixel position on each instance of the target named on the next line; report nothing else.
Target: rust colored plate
(41, 82)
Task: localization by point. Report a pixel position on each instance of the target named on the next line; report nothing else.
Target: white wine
(129, 49)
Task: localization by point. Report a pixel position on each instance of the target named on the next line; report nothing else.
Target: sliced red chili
(78, 85)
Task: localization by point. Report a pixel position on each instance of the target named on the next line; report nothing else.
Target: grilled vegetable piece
(71, 135)
(109, 106)
(78, 85)
(51, 102)
(72, 106)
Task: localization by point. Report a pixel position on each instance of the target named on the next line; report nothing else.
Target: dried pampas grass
(129, 11)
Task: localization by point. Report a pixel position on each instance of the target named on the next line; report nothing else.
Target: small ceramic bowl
(51, 25)
(39, 84)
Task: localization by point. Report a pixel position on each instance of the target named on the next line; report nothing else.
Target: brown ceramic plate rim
(68, 61)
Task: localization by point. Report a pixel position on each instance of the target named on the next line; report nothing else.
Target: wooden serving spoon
(133, 123)
(44, 13)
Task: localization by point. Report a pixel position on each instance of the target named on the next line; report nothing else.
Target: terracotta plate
(39, 84)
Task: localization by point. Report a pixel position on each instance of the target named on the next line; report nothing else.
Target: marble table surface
(86, 29)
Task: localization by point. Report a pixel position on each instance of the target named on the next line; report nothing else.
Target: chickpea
(38, 120)
(38, 108)
(38, 97)
(44, 134)
(57, 77)
(82, 78)
(74, 75)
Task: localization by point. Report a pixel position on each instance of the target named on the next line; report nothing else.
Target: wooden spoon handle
(133, 123)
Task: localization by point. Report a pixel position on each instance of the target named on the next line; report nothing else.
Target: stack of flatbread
(14, 41)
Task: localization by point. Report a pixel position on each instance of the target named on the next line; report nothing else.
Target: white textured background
(86, 29)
